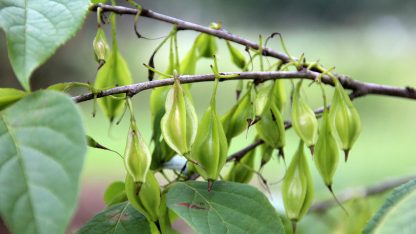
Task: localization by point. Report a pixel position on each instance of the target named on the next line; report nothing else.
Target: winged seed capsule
(243, 170)
(271, 129)
(235, 120)
(137, 157)
(115, 72)
(210, 147)
(236, 56)
(162, 152)
(303, 119)
(279, 94)
(206, 45)
(345, 119)
(146, 200)
(326, 151)
(263, 98)
(297, 187)
(100, 45)
(188, 63)
(266, 152)
(179, 123)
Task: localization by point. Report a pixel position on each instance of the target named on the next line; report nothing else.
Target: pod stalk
(312, 149)
(210, 184)
(281, 153)
(336, 199)
(138, 187)
(294, 226)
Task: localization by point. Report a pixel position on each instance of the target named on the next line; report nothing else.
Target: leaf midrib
(119, 217)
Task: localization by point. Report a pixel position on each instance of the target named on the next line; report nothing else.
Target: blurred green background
(371, 41)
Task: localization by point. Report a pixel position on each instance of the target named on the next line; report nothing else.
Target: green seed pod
(137, 157)
(243, 170)
(179, 123)
(235, 120)
(303, 119)
(161, 153)
(266, 152)
(239, 89)
(100, 45)
(297, 187)
(271, 129)
(263, 98)
(210, 147)
(114, 72)
(190, 168)
(145, 197)
(345, 119)
(326, 151)
(236, 56)
(188, 64)
(157, 109)
(206, 45)
(279, 94)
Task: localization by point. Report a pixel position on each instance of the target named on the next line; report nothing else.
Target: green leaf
(117, 219)
(115, 193)
(9, 96)
(228, 208)
(42, 148)
(398, 213)
(36, 28)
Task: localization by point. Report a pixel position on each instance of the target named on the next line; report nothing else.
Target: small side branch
(185, 25)
(240, 154)
(357, 193)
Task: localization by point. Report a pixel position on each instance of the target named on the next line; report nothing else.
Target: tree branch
(184, 25)
(359, 88)
(356, 193)
(240, 154)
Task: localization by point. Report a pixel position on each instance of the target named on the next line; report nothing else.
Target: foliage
(43, 142)
(228, 208)
(397, 213)
(39, 176)
(34, 30)
(119, 218)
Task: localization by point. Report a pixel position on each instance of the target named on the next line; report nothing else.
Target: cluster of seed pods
(205, 142)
